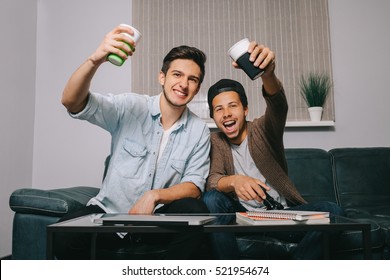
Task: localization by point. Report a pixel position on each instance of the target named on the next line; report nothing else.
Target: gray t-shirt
(244, 164)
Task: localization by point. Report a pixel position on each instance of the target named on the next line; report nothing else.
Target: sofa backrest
(362, 177)
(311, 172)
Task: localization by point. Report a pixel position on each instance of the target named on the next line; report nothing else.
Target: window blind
(296, 30)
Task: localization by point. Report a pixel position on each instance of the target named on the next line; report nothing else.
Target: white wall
(68, 152)
(17, 91)
(360, 44)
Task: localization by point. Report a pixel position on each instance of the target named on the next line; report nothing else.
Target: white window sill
(211, 124)
(309, 123)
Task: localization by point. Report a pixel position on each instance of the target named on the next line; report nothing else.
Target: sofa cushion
(311, 172)
(260, 247)
(349, 245)
(351, 241)
(363, 181)
(56, 202)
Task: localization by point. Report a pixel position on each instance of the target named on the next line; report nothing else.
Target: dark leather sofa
(358, 179)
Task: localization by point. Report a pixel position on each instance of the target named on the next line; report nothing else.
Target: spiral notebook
(274, 217)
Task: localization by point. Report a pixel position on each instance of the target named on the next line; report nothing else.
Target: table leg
(93, 245)
(326, 245)
(367, 244)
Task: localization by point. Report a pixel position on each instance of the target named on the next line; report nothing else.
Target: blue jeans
(225, 246)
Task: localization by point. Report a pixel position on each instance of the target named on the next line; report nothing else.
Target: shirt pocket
(131, 160)
(178, 167)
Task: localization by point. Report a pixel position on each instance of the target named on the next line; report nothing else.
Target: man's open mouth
(229, 124)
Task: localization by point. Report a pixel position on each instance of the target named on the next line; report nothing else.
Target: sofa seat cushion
(385, 224)
(353, 239)
(349, 243)
(263, 247)
(55, 203)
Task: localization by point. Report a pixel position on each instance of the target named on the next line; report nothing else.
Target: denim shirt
(133, 121)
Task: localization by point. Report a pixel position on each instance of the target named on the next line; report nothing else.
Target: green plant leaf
(314, 88)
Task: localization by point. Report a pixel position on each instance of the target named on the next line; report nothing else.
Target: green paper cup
(117, 60)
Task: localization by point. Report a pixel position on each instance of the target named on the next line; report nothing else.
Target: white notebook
(282, 217)
(289, 214)
(243, 219)
(127, 219)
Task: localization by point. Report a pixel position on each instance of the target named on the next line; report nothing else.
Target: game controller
(270, 202)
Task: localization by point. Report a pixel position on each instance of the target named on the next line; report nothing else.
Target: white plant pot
(315, 113)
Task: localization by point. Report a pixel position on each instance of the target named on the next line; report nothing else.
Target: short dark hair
(185, 52)
(223, 86)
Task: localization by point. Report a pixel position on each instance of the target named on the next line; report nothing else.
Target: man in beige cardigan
(247, 157)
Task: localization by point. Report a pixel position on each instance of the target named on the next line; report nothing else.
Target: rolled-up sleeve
(220, 161)
(198, 164)
(104, 111)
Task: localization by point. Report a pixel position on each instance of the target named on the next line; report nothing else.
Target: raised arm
(75, 94)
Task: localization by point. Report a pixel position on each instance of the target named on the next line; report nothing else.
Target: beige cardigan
(265, 142)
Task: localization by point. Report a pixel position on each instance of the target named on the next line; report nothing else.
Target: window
(296, 30)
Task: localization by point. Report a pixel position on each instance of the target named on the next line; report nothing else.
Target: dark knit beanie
(223, 86)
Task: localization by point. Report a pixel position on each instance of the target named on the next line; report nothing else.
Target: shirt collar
(156, 112)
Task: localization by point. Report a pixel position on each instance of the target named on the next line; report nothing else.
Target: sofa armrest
(55, 203)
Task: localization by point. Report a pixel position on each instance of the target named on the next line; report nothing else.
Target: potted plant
(314, 89)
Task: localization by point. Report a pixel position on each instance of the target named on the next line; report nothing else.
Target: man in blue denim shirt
(139, 174)
(159, 150)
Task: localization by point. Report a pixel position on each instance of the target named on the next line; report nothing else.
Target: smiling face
(181, 83)
(229, 115)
